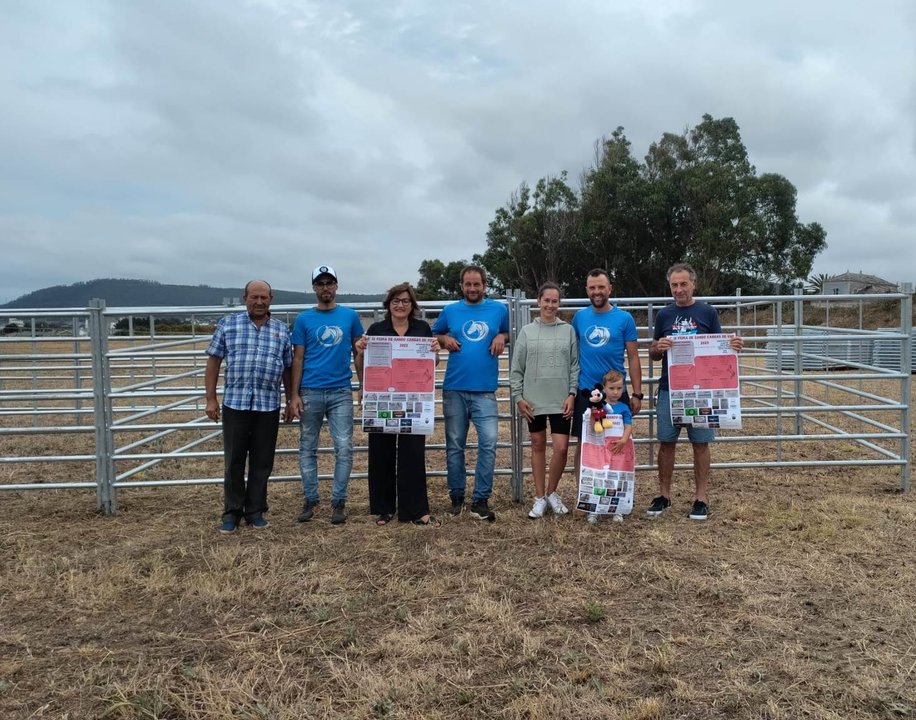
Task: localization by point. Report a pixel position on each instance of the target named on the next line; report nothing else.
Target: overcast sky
(212, 141)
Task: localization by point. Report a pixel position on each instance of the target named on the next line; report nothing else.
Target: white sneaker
(556, 504)
(537, 510)
(617, 518)
(592, 518)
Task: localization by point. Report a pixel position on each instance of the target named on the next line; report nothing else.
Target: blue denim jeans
(461, 408)
(337, 405)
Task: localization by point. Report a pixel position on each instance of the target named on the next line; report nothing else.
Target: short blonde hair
(612, 376)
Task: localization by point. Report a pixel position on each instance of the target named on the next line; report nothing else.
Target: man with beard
(324, 338)
(474, 331)
(605, 333)
(258, 356)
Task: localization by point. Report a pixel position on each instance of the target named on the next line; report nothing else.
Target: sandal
(431, 521)
(383, 519)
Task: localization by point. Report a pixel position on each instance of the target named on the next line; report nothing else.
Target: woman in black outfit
(397, 463)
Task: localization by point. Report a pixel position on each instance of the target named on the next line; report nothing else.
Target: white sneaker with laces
(592, 518)
(537, 510)
(556, 504)
(617, 518)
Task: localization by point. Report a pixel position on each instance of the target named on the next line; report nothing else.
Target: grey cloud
(193, 142)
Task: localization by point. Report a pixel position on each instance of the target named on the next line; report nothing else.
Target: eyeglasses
(400, 301)
(325, 283)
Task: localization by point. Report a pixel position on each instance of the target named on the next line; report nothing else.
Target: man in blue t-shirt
(474, 331)
(606, 333)
(324, 339)
(685, 316)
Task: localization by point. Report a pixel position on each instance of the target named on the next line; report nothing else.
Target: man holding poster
(685, 316)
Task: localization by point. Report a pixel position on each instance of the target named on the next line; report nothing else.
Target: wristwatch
(638, 396)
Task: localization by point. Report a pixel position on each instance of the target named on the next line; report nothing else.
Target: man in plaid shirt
(258, 356)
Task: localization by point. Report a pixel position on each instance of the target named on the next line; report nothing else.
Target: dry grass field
(794, 600)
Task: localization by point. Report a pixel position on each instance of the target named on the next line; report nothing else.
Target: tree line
(695, 197)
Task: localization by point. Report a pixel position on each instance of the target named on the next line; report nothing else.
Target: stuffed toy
(597, 402)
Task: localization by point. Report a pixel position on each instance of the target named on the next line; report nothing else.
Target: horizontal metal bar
(49, 486)
(46, 459)
(162, 379)
(48, 429)
(178, 452)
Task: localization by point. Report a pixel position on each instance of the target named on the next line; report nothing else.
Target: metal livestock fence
(110, 399)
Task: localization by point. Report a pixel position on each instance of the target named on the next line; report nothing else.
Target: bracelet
(638, 396)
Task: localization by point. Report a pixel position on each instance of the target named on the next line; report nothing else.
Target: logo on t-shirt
(597, 336)
(683, 326)
(475, 330)
(329, 335)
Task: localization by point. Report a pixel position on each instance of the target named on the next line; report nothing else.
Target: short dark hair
(681, 267)
(474, 268)
(397, 290)
(270, 290)
(549, 285)
(597, 272)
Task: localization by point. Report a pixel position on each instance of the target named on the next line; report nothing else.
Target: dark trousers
(253, 435)
(397, 476)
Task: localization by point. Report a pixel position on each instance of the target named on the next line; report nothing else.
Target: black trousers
(397, 476)
(251, 435)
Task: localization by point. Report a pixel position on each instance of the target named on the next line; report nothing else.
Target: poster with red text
(703, 382)
(606, 478)
(399, 384)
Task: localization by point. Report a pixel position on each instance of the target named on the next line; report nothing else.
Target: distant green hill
(117, 292)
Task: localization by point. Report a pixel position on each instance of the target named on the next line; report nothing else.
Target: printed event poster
(606, 479)
(399, 383)
(703, 382)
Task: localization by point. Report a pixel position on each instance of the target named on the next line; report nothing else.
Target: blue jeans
(460, 409)
(337, 405)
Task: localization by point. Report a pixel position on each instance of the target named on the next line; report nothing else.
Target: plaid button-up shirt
(255, 360)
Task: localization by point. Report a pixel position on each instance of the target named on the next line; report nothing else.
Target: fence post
(649, 372)
(106, 498)
(906, 365)
(516, 453)
(780, 355)
(799, 363)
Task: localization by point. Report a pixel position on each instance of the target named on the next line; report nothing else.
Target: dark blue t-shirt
(697, 319)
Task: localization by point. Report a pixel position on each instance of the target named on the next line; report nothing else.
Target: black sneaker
(658, 506)
(337, 515)
(308, 511)
(457, 505)
(700, 510)
(481, 511)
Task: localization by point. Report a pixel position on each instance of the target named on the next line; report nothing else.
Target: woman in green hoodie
(544, 378)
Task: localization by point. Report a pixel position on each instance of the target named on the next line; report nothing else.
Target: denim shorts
(668, 432)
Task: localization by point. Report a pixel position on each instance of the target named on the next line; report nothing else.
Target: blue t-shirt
(327, 336)
(602, 343)
(472, 368)
(697, 319)
(621, 408)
